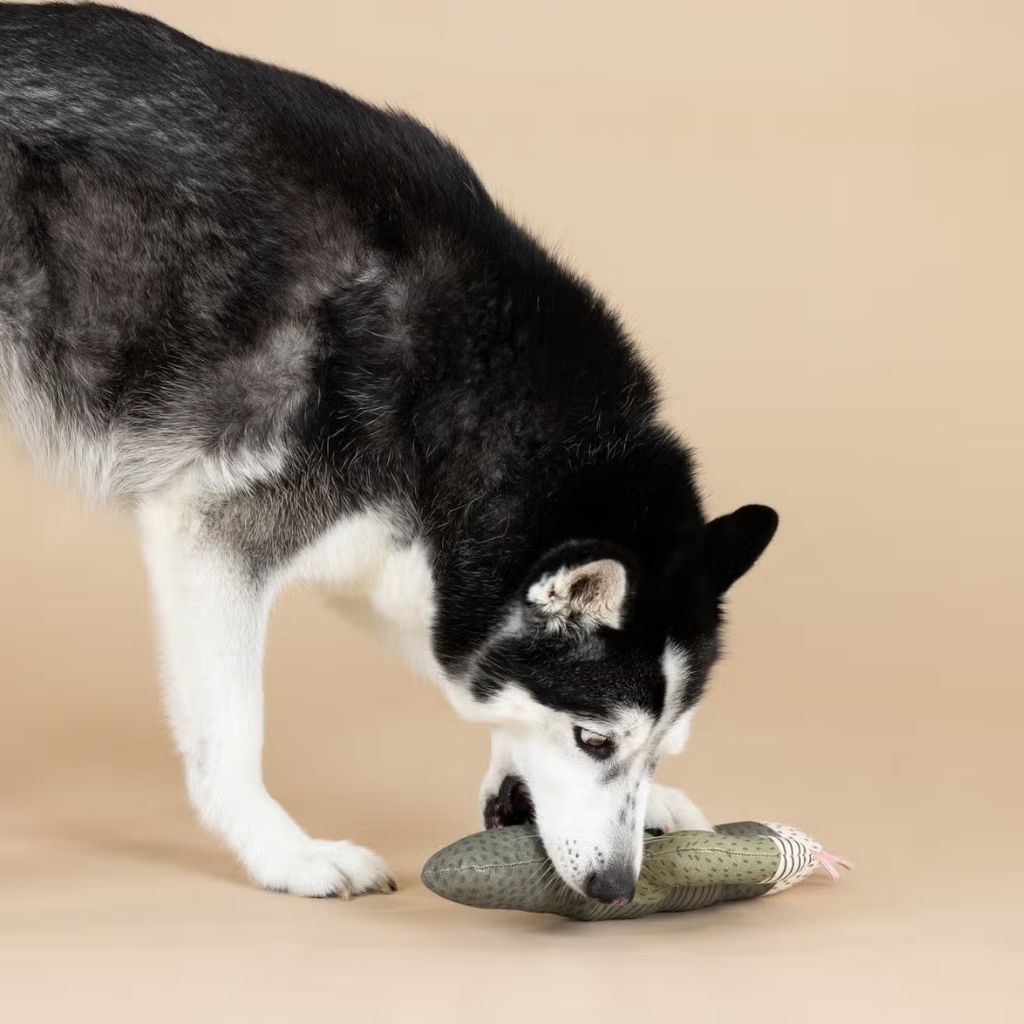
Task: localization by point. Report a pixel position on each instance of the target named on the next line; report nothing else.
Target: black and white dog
(294, 335)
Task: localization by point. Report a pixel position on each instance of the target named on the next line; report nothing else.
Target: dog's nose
(615, 884)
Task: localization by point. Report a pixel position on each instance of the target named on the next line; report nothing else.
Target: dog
(295, 338)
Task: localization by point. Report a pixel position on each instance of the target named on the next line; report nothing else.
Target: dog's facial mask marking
(574, 721)
(586, 801)
(584, 713)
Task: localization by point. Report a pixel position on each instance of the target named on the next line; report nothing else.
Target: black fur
(165, 209)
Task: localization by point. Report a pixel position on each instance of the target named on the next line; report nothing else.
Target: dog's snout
(615, 884)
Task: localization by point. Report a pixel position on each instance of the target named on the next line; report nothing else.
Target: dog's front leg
(504, 799)
(211, 616)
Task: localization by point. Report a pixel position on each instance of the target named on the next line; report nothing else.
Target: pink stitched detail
(831, 862)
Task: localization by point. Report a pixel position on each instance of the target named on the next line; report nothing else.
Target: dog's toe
(322, 867)
(359, 870)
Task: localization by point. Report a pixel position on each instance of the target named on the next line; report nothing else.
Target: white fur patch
(350, 555)
(378, 579)
(675, 666)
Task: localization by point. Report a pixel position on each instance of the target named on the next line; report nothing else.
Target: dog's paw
(322, 867)
(511, 805)
(671, 810)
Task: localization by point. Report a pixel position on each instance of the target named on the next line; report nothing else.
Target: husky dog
(294, 336)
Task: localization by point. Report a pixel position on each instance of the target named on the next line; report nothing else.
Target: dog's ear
(733, 543)
(594, 590)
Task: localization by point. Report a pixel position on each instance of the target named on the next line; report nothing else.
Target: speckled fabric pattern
(507, 869)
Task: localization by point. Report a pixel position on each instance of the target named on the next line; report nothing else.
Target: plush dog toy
(507, 869)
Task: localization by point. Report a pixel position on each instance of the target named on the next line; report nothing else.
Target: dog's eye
(592, 742)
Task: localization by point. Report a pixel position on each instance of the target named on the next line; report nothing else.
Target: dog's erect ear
(594, 590)
(733, 543)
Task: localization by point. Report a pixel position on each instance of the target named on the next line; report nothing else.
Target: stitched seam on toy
(710, 849)
(490, 867)
(653, 854)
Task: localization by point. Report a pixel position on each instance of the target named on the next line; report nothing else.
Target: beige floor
(811, 214)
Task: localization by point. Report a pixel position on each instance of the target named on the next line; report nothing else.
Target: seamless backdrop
(810, 214)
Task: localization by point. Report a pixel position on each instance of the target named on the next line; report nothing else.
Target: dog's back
(216, 271)
(174, 221)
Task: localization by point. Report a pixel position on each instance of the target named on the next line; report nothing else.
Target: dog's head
(591, 681)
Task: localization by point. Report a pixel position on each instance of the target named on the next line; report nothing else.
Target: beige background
(811, 215)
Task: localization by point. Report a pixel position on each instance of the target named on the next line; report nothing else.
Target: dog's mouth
(511, 806)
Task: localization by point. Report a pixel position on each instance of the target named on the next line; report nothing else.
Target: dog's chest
(376, 578)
